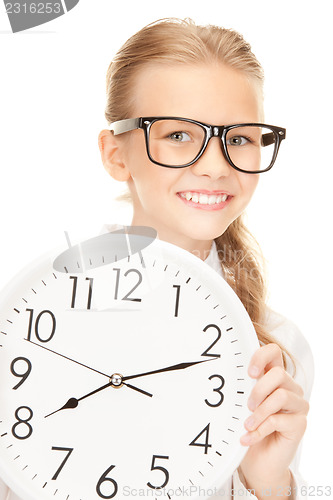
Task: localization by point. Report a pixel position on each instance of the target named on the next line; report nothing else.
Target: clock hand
(179, 366)
(137, 389)
(73, 402)
(66, 357)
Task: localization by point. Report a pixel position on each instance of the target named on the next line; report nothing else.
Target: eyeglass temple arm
(268, 139)
(122, 126)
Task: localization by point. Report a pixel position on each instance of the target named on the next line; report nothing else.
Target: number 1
(177, 300)
(91, 281)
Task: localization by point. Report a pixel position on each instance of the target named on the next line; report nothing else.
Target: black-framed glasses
(179, 142)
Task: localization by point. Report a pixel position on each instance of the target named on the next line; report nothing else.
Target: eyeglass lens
(176, 143)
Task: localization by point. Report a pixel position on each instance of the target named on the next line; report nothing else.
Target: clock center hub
(116, 380)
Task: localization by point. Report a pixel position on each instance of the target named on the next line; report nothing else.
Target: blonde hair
(175, 41)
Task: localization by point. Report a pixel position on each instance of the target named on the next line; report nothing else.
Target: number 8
(22, 421)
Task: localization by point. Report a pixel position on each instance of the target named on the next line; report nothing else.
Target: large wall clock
(122, 377)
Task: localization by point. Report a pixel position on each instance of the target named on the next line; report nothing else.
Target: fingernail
(251, 404)
(249, 423)
(246, 439)
(254, 371)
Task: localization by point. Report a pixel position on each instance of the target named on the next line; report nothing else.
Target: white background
(52, 97)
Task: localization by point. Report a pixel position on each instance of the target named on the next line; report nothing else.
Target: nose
(213, 162)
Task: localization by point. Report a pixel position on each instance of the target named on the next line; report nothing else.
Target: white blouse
(291, 338)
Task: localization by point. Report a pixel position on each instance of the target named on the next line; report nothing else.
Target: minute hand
(179, 366)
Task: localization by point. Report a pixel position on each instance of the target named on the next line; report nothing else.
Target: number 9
(23, 375)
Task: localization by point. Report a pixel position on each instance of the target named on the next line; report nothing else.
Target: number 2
(127, 296)
(206, 352)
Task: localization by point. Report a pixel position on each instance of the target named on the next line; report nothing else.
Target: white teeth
(204, 199)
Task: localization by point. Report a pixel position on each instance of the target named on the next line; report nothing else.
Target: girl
(178, 96)
(192, 182)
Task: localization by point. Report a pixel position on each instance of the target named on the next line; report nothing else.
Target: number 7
(69, 450)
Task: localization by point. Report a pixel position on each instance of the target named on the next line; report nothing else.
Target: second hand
(66, 357)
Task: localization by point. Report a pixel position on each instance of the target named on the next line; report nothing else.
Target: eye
(238, 140)
(179, 137)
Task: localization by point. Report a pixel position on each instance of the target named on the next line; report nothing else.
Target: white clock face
(66, 335)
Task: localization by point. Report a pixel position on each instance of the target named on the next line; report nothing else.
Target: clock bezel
(192, 262)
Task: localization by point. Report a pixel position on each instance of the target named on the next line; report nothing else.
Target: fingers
(264, 359)
(290, 426)
(280, 401)
(276, 377)
(276, 400)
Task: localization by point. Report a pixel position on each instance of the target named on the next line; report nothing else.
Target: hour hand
(74, 402)
(71, 403)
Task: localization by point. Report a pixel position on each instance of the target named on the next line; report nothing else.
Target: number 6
(104, 479)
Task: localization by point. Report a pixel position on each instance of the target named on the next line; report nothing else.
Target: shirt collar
(213, 260)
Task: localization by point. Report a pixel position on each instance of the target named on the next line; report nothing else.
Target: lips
(205, 199)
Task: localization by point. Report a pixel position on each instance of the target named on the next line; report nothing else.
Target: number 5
(158, 467)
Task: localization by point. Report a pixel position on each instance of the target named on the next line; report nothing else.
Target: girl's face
(213, 94)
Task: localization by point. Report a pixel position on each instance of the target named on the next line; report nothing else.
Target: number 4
(205, 445)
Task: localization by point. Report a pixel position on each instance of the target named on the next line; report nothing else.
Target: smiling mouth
(205, 200)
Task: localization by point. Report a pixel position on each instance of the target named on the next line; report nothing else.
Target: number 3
(217, 390)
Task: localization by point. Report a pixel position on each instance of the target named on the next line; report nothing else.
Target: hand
(73, 402)
(277, 424)
(66, 357)
(179, 366)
